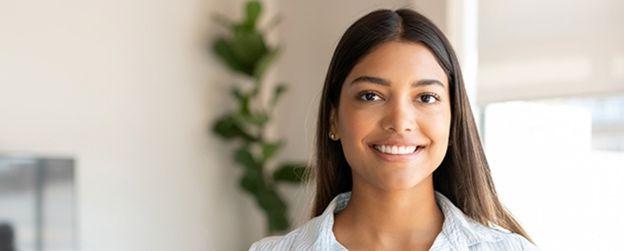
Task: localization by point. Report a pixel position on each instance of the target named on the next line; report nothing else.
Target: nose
(400, 117)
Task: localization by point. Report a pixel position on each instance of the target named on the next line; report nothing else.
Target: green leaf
(229, 127)
(290, 172)
(278, 90)
(237, 93)
(264, 62)
(225, 51)
(252, 11)
(257, 119)
(269, 199)
(243, 100)
(242, 51)
(269, 149)
(278, 221)
(248, 48)
(251, 181)
(244, 157)
(261, 118)
(275, 209)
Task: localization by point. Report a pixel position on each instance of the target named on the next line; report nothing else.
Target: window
(565, 155)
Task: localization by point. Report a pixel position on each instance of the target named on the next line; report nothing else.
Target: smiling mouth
(396, 150)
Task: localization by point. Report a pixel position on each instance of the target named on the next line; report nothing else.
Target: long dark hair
(464, 174)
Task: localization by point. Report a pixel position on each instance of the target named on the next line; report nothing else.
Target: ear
(333, 121)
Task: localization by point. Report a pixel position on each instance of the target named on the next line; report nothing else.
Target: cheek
(354, 124)
(438, 130)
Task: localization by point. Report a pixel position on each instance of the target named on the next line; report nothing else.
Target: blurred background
(106, 108)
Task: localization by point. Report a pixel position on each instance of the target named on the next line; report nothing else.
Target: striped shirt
(459, 232)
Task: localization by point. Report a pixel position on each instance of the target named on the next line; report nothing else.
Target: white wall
(128, 89)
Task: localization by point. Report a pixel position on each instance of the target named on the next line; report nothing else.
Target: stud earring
(333, 136)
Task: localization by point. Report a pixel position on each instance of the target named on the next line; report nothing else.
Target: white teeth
(402, 149)
(396, 150)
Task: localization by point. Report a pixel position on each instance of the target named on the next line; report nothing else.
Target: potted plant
(245, 51)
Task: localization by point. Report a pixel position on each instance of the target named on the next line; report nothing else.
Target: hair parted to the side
(464, 174)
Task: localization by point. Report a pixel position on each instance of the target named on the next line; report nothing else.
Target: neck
(391, 218)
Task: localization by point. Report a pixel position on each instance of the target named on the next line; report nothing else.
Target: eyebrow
(385, 82)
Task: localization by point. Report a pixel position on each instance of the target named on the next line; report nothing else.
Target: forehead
(399, 62)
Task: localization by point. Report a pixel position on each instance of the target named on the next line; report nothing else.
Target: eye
(428, 98)
(369, 96)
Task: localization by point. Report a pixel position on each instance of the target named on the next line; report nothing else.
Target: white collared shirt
(459, 232)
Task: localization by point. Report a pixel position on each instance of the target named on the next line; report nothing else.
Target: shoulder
(315, 234)
(284, 242)
(460, 230)
(302, 238)
(270, 243)
(502, 239)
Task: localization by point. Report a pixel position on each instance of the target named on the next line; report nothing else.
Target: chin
(402, 181)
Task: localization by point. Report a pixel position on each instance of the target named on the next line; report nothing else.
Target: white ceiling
(532, 49)
(518, 22)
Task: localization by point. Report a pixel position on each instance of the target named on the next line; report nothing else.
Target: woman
(399, 164)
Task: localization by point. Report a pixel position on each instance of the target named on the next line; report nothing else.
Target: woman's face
(394, 116)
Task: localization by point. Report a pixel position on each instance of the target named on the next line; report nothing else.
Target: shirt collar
(458, 230)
